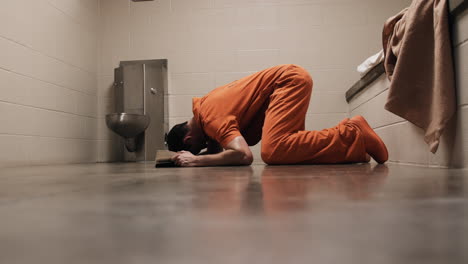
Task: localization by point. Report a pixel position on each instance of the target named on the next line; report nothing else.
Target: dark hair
(175, 137)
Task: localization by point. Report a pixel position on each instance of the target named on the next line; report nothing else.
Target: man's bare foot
(374, 145)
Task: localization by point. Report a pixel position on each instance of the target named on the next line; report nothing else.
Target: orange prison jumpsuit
(271, 105)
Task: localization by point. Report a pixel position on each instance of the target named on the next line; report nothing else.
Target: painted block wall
(404, 140)
(48, 81)
(209, 43)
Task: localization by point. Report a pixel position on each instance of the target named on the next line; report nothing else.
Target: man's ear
(187, 140)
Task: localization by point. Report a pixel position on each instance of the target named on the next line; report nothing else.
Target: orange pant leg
(284, 140)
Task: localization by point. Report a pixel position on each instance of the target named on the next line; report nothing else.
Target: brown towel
(418, 62)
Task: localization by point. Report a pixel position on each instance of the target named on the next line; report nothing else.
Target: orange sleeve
(223, 130)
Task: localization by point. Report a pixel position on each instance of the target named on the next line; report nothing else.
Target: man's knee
(269, 155)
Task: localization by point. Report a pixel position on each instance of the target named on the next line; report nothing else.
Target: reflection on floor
(134, 213)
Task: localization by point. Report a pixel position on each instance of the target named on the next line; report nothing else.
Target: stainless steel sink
(128, 126)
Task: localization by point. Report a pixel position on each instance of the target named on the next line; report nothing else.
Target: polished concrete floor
(134, 213)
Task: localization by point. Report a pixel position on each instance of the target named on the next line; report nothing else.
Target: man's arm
(237, 153)
(212, 147)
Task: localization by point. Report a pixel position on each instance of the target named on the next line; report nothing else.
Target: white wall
(48, 81)
(404, 140)
(211, 42)
(457, 154)
(57, 59)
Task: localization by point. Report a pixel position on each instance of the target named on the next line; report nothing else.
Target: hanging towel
(370, 63)
(418, 62)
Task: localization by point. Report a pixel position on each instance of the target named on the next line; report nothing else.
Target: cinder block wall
(57, 57)
(209, 43)
(48, 81)
(404, 140)
(459, 153)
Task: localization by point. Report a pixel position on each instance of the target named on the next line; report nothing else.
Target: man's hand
(237, 153)
(184, 159)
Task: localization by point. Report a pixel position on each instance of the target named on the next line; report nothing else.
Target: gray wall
(57, 58)
(209, 43)
(48, 81)
(460, 150)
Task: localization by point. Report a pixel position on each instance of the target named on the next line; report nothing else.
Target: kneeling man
(271, 106)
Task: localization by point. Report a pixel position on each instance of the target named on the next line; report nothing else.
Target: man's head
(175, 137)
(183, 137)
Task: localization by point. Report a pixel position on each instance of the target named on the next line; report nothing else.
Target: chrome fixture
(128, 126)
(140, 89)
